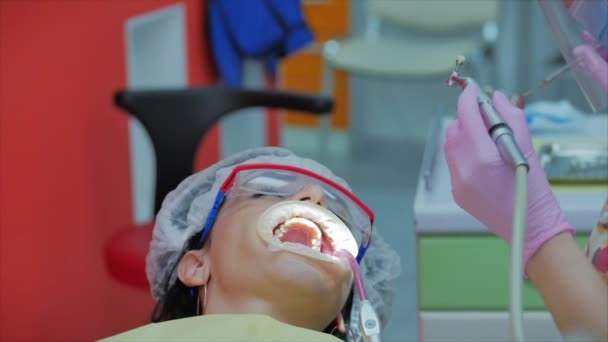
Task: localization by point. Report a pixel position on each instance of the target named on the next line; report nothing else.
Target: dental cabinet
(463, 269)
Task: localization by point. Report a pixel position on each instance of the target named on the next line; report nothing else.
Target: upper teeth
(316, 240)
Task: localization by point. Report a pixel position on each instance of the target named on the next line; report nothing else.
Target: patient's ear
(194, 268)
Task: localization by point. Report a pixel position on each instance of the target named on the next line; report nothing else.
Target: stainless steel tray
(575, 162)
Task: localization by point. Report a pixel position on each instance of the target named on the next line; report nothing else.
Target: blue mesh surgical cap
(184, 212)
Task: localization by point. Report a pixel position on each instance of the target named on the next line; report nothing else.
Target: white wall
(156, 58)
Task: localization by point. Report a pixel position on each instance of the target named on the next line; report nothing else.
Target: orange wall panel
(328, 19)
(302, 72)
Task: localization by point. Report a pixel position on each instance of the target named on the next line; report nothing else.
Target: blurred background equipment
(268, 30)
(407, 40)
(586, 18)
(570, 162)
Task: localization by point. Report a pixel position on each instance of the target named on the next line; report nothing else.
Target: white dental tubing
(520, 208)
(368, 319)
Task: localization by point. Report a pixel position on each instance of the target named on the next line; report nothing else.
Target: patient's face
(244, 264)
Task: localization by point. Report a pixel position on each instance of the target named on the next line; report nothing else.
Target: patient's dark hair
(180, 301)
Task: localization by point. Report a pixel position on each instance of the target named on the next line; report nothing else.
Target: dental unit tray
(575, 162)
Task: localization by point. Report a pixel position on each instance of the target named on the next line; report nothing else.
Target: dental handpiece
(501, 133)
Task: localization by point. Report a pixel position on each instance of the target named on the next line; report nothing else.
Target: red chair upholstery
(125, 254)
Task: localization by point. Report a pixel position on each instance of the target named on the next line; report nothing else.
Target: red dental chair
(176, 121)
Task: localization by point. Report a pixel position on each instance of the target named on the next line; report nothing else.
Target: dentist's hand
(589, 59)
(483, 184)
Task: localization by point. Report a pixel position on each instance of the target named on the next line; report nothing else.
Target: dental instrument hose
(368, 319)
(356, 272)
(520, 209)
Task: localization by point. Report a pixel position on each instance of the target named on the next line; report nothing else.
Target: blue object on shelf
(262, 29)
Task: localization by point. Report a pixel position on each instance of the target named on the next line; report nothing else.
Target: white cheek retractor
(331, 227)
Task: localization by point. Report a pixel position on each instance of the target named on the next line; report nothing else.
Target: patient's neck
(296, 310)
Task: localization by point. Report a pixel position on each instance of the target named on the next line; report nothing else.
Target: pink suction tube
(356, 272)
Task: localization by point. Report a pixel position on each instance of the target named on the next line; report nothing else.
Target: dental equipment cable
(520, 211)
(519, 100)
(509, 150)
(356, 272)
(552, 76)
(368, 319)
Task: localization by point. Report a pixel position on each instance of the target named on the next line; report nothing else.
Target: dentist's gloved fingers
(470, 119)
(589, 39)
(599, 48)
(451, 145)
(452, 133)
(512, 114)
(588, 58)
(457, 150)
(468, 111)
(515, 118)
(467, 103)
(504, 107)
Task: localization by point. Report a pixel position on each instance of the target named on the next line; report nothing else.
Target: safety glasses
(284, 181)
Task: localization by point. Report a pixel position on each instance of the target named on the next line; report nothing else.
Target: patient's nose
(311, 193)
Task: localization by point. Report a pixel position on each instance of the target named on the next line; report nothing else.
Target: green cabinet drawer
(465, 272)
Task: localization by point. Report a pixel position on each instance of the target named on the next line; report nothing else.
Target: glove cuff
(535, 244)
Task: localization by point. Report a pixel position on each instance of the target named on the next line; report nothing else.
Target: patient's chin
(311, 275)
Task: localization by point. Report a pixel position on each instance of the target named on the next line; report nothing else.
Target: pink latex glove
(484, 185)
(588, 58)
(599, 48)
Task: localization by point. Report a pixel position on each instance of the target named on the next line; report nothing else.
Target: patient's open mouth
(304, 231)
(305, 228)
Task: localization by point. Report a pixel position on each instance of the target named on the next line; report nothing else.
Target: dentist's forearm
(572, 290)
